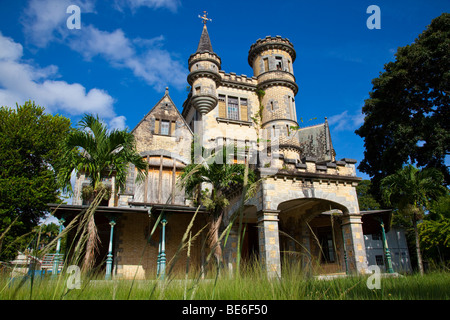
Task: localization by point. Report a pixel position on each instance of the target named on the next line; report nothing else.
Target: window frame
(161, 127)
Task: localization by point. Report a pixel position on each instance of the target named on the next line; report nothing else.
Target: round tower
(271, 59)
(204, 78)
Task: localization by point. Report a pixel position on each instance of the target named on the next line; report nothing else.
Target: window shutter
(156, 126)
(244, 111)
(222, 107)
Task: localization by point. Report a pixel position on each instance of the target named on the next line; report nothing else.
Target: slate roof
(204, 43)
(315, 142)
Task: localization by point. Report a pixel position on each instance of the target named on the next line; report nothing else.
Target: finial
(167, 91)
(204, 17)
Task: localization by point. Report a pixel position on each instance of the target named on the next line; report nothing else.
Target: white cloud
(346, 122)
(20, 81)
(172, 5)
(117, 123)
(113, 46)
(45, 20)
(144, 57)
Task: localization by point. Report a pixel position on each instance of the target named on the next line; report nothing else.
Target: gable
(163, 128)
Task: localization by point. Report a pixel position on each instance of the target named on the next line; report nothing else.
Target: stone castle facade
(304, 210)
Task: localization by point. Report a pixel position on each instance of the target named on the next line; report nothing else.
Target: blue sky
(127, 51)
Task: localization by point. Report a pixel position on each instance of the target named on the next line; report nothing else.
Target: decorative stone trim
(203, 73)
(232, 121)
(270, 43)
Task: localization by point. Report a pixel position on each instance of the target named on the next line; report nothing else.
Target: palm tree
(411, 190)
(98, 153)
(213, 181)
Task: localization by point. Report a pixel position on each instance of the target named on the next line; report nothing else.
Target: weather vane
(204, 17)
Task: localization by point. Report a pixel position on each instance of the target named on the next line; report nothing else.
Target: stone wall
(135, 256)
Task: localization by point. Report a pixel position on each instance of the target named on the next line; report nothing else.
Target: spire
(204, 43)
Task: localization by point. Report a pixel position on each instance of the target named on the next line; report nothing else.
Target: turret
(204, 78)
(272, 61)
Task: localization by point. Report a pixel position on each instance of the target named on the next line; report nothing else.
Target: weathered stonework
(305, 207)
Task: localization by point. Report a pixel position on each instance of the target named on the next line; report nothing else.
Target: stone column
(354, 243)
(269, 242)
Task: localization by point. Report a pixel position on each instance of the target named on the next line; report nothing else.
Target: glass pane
(233, 108)
(165, 127)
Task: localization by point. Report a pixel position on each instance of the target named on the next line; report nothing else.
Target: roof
(168, 208)
(315, 142)
(371, 220)
(60, 209)
(204, 43)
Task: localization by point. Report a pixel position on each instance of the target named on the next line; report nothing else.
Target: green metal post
(109, 257)
(345, 251)
(58, 248)
(387, 252)
(161, 267)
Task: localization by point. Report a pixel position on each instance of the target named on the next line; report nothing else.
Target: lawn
(250, 286)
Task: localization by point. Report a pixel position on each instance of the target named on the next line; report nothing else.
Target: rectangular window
(379, 260)
(233, 108)
(266, 64)
(279, 62)
(165, 127)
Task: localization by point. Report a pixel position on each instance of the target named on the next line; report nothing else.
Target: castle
(305, 209)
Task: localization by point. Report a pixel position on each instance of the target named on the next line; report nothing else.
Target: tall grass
(248, 282)
(251, 284)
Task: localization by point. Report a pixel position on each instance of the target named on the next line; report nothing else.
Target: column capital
(351, 218)
(267, 215)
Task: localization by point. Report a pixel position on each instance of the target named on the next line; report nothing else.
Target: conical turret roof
(204, 43)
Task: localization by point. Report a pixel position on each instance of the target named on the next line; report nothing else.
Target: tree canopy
(407, 114)
(99, 153)
(366, 200)
(30, 153)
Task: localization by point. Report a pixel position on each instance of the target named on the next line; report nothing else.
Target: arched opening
(311, 235)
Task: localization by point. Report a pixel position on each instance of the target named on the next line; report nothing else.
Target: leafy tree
(98, 153)
(219, 179)
(434, 231)
(406, 116)
(411, 191)
(365, 199)
(30, 158)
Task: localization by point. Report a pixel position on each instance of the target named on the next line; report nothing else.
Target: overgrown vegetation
(252, 284)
